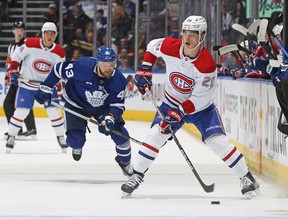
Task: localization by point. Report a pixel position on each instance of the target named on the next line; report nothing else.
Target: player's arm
(143, 77)
(116, 108)
(58, 71)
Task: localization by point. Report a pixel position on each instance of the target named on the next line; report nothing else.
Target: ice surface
(38, 181)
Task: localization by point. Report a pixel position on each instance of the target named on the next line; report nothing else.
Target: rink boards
(249, 110)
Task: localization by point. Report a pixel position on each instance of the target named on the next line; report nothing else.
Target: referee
(9, 102)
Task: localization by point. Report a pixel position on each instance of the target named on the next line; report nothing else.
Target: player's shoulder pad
(59, 51)
(171, 46)
(205, 62)
(86, 62)
(33, 42)
(118, 76)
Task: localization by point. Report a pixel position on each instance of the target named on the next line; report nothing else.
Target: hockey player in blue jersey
(94, 88)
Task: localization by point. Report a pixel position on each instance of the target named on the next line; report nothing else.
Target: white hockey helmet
(195, 23)
(49, 26)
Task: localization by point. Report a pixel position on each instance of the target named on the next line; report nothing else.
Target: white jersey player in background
(37, 56)
(188, 98)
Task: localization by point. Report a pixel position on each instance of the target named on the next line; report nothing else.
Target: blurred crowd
(78, 28)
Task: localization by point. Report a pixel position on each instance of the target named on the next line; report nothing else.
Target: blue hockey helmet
(105, 54)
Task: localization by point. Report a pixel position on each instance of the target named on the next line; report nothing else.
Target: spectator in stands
(227, 22)
(52, 14)
(101, 21)
(239, 17)
(130, 7)
(143, 19)
(157, 28)
(80, 19)
(103, 42)
(125, 65)
(76, 54)
(120, 24)
(173, 28)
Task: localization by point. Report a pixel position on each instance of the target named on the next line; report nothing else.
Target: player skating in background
(37, 57)
(9, 101)
(94, 88)
(188, 98)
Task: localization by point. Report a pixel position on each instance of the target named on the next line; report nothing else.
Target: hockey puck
(215, 202)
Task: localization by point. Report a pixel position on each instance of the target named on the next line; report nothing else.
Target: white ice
(38, 181)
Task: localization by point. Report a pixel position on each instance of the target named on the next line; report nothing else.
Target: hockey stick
(240, 28)
(241, 48)
(27, 80)
(233, 48)
(207, 188)
(94, 122)
(261, 38)
(269, 30)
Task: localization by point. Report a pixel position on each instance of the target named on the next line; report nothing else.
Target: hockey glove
(143, 78)
(13, 75)
(172, 119)
(107, 124)
(44, 94)
(280, 74)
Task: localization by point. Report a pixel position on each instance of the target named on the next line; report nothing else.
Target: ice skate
(10, 143)
(126, 169)
(249, 186)
(76, 154)
(29, 135)
(133, 183)
(62, 143)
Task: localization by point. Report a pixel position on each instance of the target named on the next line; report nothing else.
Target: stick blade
(262, 30)
(209, 188)
(240, 28)
(229, 48)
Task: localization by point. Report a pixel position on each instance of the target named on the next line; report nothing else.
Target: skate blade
(26, 138)
(252, 194)
(8, 150)
(64, 150)
(126, 195)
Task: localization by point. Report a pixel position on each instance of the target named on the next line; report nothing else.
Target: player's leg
(123, 148)
(9, 104)
(213, 134)
(57, 123)
(75, 133)
(148, 152)
(24, 102)
(31, 131)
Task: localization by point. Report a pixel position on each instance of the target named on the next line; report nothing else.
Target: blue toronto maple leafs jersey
(85, 90)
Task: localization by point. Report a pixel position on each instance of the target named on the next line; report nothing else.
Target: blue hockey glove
(280, 73)
(14, 78)
(44, 94)
(172, 119)
(107, 124)
(143, 78)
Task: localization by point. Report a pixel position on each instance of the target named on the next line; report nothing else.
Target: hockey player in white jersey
(37, 56)
(188, 98)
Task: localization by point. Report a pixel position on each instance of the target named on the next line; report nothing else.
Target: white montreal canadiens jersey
(193, 79)
(37, 61)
